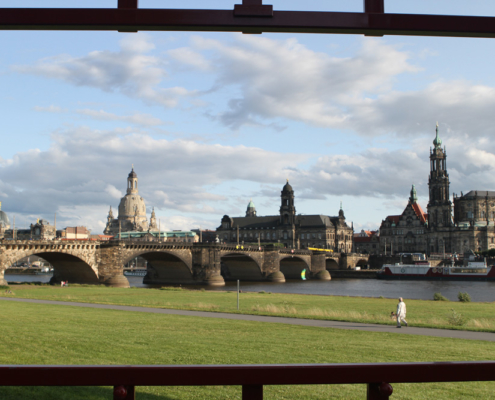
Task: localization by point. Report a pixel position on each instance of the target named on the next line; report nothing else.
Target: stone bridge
(95, 262)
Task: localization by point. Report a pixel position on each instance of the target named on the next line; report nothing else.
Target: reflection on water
(479, 291)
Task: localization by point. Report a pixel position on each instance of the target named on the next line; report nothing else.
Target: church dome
(287, 187)
(131, 205)
(132, 174)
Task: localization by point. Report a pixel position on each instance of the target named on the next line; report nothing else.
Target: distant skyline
(212, 120)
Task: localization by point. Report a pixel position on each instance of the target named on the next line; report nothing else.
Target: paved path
(445, 333)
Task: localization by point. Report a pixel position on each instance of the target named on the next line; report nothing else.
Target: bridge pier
(319, 267)
(207, 267)
(2, 278)
(277, 276)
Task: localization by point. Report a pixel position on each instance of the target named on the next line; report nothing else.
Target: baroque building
(132, 212)
(288, 228)
(471, 227)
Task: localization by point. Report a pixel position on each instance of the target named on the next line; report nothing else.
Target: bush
(4, 287)
(456, 319)
(439, 297)
(464, 297)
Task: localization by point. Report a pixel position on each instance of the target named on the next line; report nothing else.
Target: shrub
(464, 297)
(439, 297)
(4, 287)
(456, 319)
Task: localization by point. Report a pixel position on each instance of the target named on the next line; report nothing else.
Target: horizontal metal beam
(295, 374)
(243, 20)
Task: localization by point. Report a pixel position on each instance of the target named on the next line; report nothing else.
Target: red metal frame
(252, 16)
(252, 378)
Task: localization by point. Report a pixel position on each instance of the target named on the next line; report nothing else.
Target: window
(302, 235)
(314, 235)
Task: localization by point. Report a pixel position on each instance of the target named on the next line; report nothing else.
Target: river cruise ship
(422, 270)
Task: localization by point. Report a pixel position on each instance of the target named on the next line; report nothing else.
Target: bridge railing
(252, 378)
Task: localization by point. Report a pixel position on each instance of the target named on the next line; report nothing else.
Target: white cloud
(286, 79)
(50, 109)
(129, 71)
(137, 119)
(85, 171)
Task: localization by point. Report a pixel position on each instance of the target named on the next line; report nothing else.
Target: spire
(341, 211)
(437, 141)
(414, 197)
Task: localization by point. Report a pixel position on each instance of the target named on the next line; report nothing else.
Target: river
(479, 291)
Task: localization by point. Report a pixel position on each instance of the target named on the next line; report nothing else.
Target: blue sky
(211, 120)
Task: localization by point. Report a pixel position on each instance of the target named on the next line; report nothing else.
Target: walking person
(401, 313)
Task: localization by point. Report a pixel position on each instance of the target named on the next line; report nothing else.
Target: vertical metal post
(374, 6)
(124, 393)
(127, 4)
(252, 392)
(379, 391)
(238, 295)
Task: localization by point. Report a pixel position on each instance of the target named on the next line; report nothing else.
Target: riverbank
(421, 313)
(61, 335)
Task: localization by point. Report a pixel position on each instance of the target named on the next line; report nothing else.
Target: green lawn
(423, 313)
(46, 334)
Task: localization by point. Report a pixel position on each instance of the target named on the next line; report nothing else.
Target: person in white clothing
(401, 312)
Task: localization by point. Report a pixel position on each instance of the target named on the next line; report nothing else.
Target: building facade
(288, 228)
(470, 227)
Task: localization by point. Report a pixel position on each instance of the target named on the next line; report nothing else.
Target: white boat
(471, 270)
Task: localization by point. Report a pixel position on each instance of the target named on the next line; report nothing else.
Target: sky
(212, 120)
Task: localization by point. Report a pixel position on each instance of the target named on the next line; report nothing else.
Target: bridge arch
(331, 264)
(67, 265)
(292, 266)
(164, 266)
(235, 265)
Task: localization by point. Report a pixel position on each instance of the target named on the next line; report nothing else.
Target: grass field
(422, 313)
(47, 334)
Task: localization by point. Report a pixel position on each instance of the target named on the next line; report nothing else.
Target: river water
(479, 291)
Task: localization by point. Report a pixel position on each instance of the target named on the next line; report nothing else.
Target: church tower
(251, 209)
(287, 209)
(439, 205)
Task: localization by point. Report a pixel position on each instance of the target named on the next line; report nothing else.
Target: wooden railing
(252, 378)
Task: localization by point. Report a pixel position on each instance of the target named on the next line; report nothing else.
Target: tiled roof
(394, 218)
(419, 212)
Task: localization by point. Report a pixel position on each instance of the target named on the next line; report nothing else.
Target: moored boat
(471, 270)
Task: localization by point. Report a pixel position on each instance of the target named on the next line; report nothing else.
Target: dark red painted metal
(251, 377)
(124, 392)
(369, 23)
(294, 374)
(127, 4)
(379, 391)
(252, 392)
(374, 6)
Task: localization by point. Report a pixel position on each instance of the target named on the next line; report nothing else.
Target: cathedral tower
(251, 209)
(287, 209)
(439, 205)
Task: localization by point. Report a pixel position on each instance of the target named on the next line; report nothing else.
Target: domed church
(132, 211)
